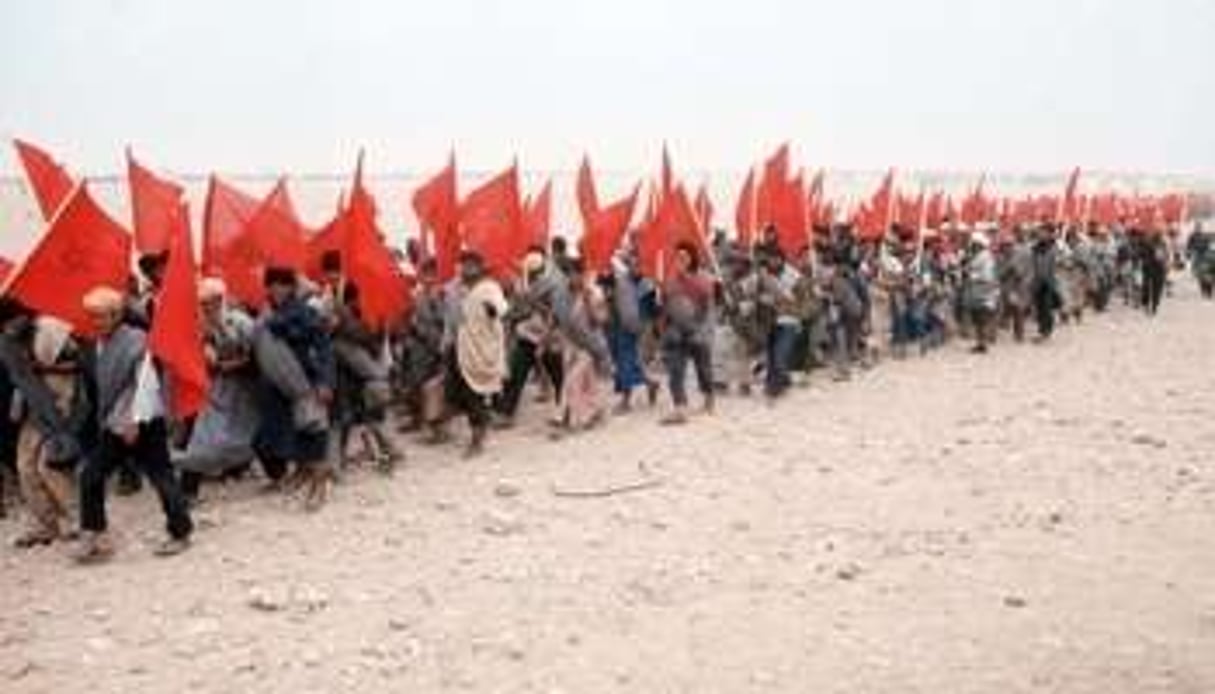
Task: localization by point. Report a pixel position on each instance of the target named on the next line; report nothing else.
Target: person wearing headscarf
(477, 363)
(363, 389)
(131, 423)
(1014, 267)
(981, 287)
(422, 351)
(631, 301)
(294, 354)
(541, 295)
(41, 359)
(1045, 283)
(585, 355)
(1200, 249)
(778, 282)
(687, 306)
(221, 439)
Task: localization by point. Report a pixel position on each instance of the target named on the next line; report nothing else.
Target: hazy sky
(298, 85)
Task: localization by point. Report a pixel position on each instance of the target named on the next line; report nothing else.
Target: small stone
(23, 670)
(1014, 601)
(848, 572)
(507, 490)
(310, 599)
(1148, 440)
(740, 526)
(1055, 518)
(500, 524)
(397, 624)
(265, 601)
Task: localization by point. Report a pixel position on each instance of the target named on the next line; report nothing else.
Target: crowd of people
(303, 390)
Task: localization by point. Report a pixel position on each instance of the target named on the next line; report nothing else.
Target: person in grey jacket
(130, 415)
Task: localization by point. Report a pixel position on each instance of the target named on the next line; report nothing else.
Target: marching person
(477, 361)
(130, 418)
(687, 302)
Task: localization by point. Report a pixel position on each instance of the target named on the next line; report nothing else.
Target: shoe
(676, 418)
(35, 538)
(172, 547)
(94, 548)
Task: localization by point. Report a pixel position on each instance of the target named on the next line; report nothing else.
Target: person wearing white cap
(120, 371)
(222, 436)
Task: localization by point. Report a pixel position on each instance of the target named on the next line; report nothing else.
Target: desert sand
(1041, 519)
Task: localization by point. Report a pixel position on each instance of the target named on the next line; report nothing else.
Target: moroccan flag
(155, 205)
(668, 175)
(1068, 209)
(588, 199)
(1172, 208)
(772, 185)
(537, 214)
(176, 337)
(973, 205)
(745, 212)
(438, 214)
(704, 211)
(277, 229)
(790, 215)
(50, 182)
(6, 269)
(934, 216)
(331, 237)
(875, 221)
(816, 185)
(273, 236)
(369, 265)
(491, 222)
(226, 211)
(83, 248)
(604, 231)
(675, 223)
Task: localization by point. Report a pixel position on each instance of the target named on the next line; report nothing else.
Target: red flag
(674, 224)
(536, 217)
(155, 205)
(1069, 210)
(704, 211)
(604, 231)
(438, 213)
(934, 216)
(1172, 208)
(588, 199)
(491, 222)
(875, 221)
(83, 248)
(789, 215)
(176, 337)
(772, 185)
(816, 185)
(973, 205)
(6, 269)
(668, 176)
(331, 237)
(745, 212)
(50, 182)
(273, 236)
(369, 265)
(225, 214)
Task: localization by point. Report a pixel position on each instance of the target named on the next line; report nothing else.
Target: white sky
(298, 85)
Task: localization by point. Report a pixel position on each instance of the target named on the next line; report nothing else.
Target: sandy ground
(1041, 519)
